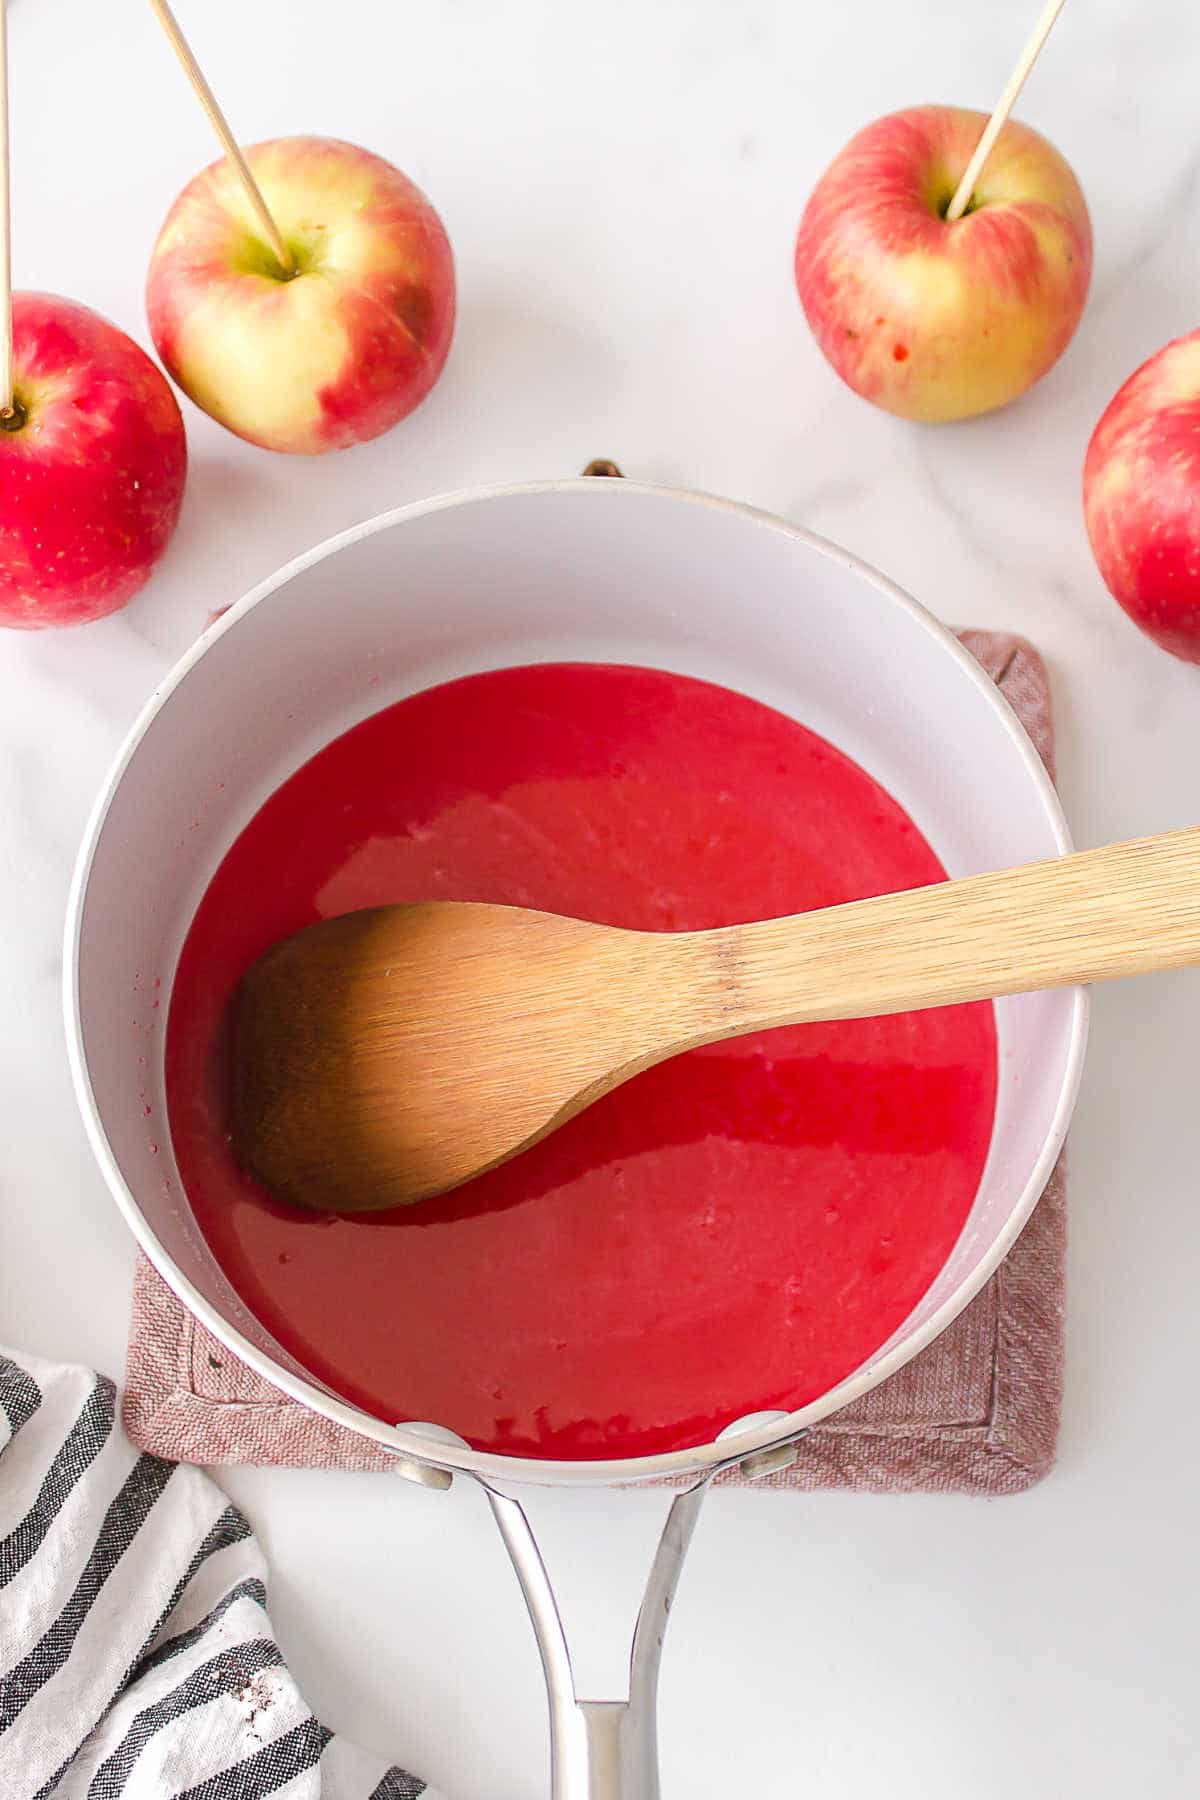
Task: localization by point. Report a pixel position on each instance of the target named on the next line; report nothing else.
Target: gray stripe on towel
(225, 1673)
(20, 1395)
(122, 1522)
(78, 1450)
(268, 1769)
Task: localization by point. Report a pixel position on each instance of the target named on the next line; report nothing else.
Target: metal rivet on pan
(423, 1473)
(769, 1462)
(762, 1462)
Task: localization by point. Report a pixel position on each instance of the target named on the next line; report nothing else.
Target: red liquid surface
(737, 1229)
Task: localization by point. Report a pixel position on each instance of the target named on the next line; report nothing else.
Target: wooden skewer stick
(1007, 101)
(220, 125)
(7, 409)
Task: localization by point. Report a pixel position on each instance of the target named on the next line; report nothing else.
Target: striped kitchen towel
(137, 1659)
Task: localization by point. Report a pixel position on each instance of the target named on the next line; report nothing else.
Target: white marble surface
(622, 184)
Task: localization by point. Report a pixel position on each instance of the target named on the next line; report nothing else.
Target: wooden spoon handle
(1127, 909)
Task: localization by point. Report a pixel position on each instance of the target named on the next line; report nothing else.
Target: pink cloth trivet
(977, 1412)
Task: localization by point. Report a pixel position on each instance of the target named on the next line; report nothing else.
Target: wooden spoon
(391, 1054)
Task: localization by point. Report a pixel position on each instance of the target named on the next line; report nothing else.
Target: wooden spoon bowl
(392, 1054)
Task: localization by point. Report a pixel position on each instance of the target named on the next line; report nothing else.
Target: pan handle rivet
(769, 1462)
(773, 1458)
(423, 1473)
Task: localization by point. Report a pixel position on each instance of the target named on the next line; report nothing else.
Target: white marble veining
(622, 185)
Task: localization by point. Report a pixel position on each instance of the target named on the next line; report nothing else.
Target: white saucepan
(584, 570)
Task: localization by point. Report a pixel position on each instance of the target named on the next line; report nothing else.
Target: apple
(92, 465)
(332, 353)
(936, 320)
(1141, 497)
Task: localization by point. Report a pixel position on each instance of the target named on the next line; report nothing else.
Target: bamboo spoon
(391, 1054)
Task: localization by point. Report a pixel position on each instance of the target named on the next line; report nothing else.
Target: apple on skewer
(944, 257)
(301, 291)
(93, 456)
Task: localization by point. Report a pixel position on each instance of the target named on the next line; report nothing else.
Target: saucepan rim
(411, 1444)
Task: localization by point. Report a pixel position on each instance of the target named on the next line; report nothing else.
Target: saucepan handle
(608, 1749)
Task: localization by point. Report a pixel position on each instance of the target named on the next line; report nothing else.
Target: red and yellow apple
(1141, 497)
(92, 465)
(936, 319)
(331, 353)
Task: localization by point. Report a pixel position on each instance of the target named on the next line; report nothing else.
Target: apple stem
(1007, 101)
(7, 409)
(220, 125)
